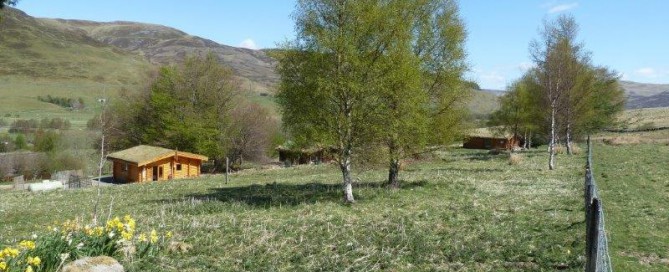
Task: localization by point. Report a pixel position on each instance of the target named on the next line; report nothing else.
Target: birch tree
(424, 93)
(331, 75)
(557, 58)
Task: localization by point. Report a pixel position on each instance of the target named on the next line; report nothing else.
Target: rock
(94, 264)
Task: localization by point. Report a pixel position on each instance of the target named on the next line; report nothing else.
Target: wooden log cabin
(485, 139)
(150, 163)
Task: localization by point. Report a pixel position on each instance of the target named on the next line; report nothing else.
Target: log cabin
(485, 139)
(150, 163)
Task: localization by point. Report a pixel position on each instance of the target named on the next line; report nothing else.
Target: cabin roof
(145, 154)
(488, 133)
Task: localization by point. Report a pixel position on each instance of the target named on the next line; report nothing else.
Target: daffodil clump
(70, 240)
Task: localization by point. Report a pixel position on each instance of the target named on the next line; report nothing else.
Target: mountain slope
(37, 59)
(646, 95)
(164, 45)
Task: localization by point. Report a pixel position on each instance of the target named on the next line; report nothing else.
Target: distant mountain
(645, 95)
(164, 45)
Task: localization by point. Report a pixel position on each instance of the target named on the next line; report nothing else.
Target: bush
(575, 149)
(560, 149)
(515, 159)
(70, 240)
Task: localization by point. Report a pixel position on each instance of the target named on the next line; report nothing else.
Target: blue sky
(628, 36)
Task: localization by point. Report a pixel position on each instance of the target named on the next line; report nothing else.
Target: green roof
(145, 154)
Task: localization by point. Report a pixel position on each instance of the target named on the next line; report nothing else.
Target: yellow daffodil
(168, 234)
(36, 261)
(98, 231)
(142, 237)
(126, 235)
(29, 269)
(154, 236)
(3, 266)
(25, 244)
(11, 252)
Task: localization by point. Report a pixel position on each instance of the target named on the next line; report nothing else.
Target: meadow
(635, 190)
(462, 210)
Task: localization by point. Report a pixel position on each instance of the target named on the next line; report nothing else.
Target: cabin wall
(189, 168)
(122, 175)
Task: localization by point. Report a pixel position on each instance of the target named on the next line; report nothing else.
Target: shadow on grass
(276, 194)
(468, 170)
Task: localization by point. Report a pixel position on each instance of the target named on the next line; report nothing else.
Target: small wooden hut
(150, 163)
(483, 139)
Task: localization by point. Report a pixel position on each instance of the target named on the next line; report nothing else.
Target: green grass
(466, 211)
(634, 184)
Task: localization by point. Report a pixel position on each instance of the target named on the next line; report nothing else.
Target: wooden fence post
(592, 236)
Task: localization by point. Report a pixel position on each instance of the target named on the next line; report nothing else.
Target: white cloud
(526, 65)
(647, 72)
(249, 43)
(562, 7)
(492, 80)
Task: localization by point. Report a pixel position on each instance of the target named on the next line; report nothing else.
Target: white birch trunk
(551, 145)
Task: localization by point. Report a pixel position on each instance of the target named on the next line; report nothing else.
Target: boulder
(94, 264)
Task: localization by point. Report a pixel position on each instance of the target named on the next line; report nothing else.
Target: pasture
(461, 210)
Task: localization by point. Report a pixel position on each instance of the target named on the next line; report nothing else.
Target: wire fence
(597, 245)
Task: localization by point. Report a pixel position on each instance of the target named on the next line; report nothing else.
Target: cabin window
(178, 167)
(125, 167)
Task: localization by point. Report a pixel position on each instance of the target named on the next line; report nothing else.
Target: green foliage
(187, 108)
(64, 102)
(3, 3)
(366, 74)
(46, 141)
(20, 142)
(193, 107)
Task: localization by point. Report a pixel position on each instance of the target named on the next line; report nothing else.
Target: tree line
(25, 126)
(194, 106)
(564, 96)
(64, 102)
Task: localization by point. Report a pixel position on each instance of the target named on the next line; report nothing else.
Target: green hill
(37, 59)
(164, 45)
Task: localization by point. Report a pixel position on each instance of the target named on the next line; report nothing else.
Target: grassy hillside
(38, 60)
(483, 103)
(164, 45)
(465, 210)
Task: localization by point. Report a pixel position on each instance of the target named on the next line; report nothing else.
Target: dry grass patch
(515, 159)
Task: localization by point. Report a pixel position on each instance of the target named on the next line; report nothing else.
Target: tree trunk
(568, 138)
(345, 166)
(525, 140)
(551, 145)
(529, 144)
(393, 172)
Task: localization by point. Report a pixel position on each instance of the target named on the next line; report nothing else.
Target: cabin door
(155, 173)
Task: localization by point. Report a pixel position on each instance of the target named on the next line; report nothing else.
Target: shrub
(70, 240)
(575, 149)
(560, 149)
(515, 159)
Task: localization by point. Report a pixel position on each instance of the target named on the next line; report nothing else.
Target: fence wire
(597, 254)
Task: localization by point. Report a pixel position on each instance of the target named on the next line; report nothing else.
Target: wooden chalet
(150, 163)
(482, 139)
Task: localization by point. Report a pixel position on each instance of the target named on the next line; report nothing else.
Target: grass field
(464, 211)
(635, 190)
(652, 117)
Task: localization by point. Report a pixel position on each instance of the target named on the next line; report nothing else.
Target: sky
(630, 37)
